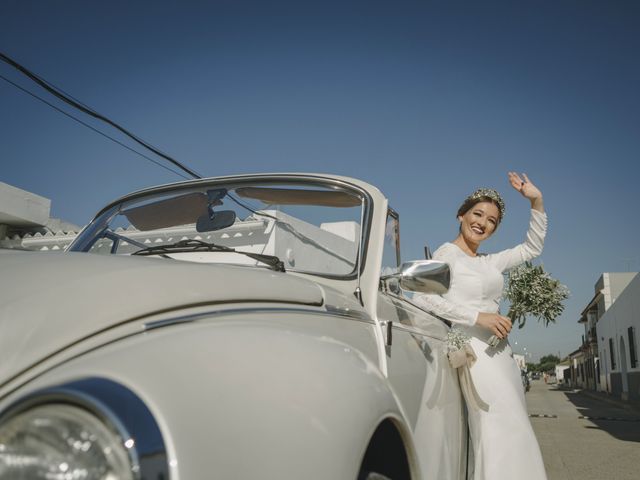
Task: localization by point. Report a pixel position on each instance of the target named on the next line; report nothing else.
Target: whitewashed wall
(623, 313)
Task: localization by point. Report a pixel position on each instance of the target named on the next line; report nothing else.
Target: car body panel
(267, 378)
(249, 372)
(65, 300)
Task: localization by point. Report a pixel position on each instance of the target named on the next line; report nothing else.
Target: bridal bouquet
(456, 340)
(532, 291)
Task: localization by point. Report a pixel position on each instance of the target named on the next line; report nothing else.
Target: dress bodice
(477, 282)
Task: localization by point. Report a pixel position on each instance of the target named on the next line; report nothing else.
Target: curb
(630, 406)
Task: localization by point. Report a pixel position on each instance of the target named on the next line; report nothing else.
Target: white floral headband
(489, 193)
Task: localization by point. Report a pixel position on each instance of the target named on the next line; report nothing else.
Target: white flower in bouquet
(532, 291)
(456, 339)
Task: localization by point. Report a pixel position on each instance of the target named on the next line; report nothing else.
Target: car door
(419, 372)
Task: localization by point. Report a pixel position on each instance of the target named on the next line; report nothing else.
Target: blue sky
(426, 100)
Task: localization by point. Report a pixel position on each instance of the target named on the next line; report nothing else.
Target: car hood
(50, 301)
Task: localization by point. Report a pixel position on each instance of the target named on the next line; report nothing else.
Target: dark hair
(469, 203)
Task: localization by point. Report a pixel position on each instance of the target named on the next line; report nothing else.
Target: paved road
(604, 447)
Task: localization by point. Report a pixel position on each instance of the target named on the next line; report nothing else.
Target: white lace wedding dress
(504, 445)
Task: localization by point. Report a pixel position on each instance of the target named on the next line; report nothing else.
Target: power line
(89, 111)
(90, 127)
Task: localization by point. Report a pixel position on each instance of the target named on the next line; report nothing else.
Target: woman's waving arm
(528, 190)
(534, 242)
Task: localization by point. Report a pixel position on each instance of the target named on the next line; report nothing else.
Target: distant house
(576, 376)
(589, 368)
(26, 224)
(618, 340)
(563, 372)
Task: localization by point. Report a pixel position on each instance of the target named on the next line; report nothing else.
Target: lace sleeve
(441, 306)
(446, 309)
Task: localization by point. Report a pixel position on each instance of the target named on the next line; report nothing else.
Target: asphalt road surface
(583, 435)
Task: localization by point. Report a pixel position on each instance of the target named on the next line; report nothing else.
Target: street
(606, 445)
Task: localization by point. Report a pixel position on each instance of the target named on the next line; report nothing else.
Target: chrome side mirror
(424, 276)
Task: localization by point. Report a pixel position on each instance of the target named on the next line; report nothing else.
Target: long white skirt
(504, 444)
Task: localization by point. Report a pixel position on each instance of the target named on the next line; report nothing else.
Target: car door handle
(387, 325)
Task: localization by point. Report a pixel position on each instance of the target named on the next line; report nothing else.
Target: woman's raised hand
(497, 324)
(527, 189)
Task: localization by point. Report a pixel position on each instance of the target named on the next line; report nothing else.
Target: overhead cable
(92, 128)
(89, 111)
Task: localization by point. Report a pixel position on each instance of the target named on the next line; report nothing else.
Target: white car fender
(266, 380)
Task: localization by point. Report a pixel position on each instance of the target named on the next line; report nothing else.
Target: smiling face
(479, 222)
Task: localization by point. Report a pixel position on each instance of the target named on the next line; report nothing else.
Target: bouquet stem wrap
(462, 359)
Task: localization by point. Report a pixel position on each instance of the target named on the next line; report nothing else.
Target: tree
(550, 359)
(532, 367)
(548, 363)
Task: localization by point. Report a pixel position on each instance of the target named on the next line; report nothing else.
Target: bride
(504, 444)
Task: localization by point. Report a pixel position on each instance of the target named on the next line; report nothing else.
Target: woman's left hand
(527, 189)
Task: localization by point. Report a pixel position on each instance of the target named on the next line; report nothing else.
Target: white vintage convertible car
(245, 327)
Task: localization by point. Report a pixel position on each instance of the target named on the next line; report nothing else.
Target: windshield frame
(82, 242)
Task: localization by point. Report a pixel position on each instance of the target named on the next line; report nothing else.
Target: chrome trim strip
(412, 330)
(151, 325)
(330, 310)
(119, 408)
(348, 313)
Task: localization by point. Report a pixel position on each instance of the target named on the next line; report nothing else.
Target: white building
(520, 361)
(587, 361)
(26, 224)
(562, 372)
(618, 338)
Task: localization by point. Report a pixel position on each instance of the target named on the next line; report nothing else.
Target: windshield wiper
(193, 245)
(116, 238)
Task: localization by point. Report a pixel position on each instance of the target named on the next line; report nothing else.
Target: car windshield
(309, 227)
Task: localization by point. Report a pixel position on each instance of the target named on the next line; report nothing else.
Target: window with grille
(613, 355)
(633, 352)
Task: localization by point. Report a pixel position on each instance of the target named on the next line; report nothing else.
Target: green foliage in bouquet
(532, 291)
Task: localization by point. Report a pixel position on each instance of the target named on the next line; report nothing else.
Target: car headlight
(93, 429)
(61, 442)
